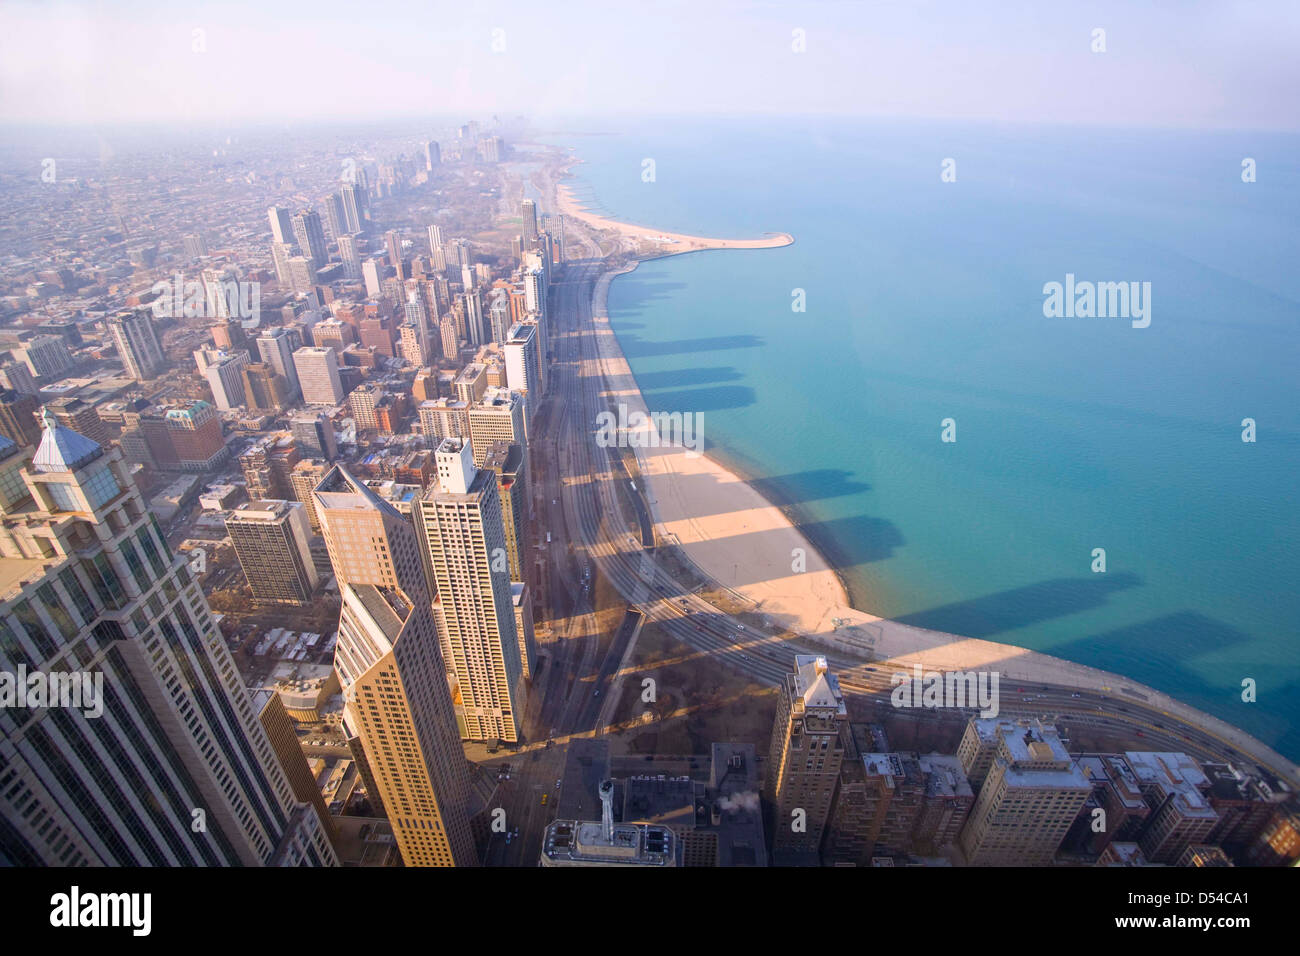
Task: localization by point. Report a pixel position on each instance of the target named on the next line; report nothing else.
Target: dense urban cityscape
(769, 437)
(301, 461)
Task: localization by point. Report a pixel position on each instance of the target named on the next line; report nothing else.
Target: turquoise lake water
(924, 301)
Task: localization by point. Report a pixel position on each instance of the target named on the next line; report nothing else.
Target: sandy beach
(747, 544)
(669, 242)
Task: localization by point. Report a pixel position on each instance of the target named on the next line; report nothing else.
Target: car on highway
(544, 796)
(741, 626)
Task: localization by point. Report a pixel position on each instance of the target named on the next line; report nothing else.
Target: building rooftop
(816, 685)
(577, 843)
(1177, 776)
(62, 449)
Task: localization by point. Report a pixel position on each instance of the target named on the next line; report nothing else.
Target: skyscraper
(523, 363)
(47, 356)
(281, 225)
(350, 253)
(318, 375)
(264, 389)
(314, 435)
(463, 539)
(498, 416)
(528, 209)
(355, 213)
(448, 337)
(499, 314)
(225, 375)
(506, 461)
(304, 478)
(271, 540)
(804, 762)
(17, 376)
(398, 704)
(1031, 795)
(302, 273)
(137, 345)
(164, 761)
(311, 237)
(372, 271)
(80, 416)
(276, 347)
(18, 418)
(335, 220)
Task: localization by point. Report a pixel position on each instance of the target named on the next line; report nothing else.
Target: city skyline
(518, 437)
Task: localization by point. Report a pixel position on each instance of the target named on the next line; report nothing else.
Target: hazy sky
(1184, 63)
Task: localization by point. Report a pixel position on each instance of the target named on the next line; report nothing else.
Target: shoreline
(717, 517)
(672, 243)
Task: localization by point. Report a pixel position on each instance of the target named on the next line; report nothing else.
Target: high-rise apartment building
(523, 362)
(17, 376)
(335, 220)
(310, 237)
(281, 253)
(267, 465)
(1175, 787)
(18, 418)
(225, 375)
(318, 375)
(272, 541)
(398, 705)
(444, 418)
(302, 273)
(47, 356)
(196, 438)
(498, 416)
(265, 390)
(528, 210)
(499, 315)
(506, 461)
(281, 225)
(362, 402)
(808, 742)
(304, 478)
(350, 253)
(449, 337)
(80, 416)
(276, 347)
(314, 436)
(355, 211)
(1032, 793)
(162, 761)
(464, 547)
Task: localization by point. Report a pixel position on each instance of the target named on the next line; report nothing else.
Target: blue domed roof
(62, 449)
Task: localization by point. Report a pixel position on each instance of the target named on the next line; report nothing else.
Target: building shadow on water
(710, 398)
(1015, 608)
(636, 347)
(679, 378)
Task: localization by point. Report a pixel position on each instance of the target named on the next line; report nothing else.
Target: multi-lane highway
(597, 520)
